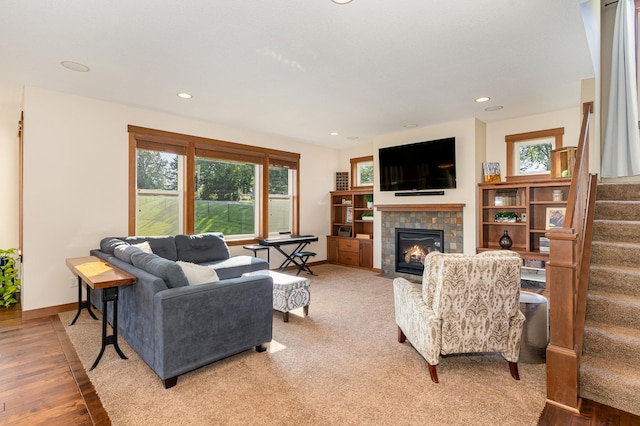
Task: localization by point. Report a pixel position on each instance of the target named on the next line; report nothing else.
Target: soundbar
(411, 194)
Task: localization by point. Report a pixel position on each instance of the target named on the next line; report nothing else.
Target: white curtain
(621, 150)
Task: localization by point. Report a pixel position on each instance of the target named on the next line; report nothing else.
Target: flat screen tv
(418, 166)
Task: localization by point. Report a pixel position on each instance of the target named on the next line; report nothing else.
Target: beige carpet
(341, 365)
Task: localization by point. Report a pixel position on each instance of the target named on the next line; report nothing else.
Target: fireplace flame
(415, 254)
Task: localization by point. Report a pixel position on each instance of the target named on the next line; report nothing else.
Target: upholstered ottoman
(289, 292)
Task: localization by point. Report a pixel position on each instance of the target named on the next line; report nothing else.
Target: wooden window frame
(354, 171)
(511, 141)
(141, 137)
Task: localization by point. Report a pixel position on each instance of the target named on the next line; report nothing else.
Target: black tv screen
(418, 166)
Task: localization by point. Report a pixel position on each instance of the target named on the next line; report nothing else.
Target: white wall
(9, 118)
(467, 176)
(76, 182)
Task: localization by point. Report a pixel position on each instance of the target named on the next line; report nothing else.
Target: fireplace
(413, 245)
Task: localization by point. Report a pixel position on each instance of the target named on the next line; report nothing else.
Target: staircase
(610, 365)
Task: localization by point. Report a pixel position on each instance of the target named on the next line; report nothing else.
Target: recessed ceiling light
(482, 99)
(334, 133)
(74, 66)
(494, 108)
(410, 126)
(184, 95)
(341, 1)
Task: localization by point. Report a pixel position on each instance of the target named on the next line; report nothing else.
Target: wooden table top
(99, 274)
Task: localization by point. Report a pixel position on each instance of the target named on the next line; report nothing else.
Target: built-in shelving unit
(351, 239)
(534, 202)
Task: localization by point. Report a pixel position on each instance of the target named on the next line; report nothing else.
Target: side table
(98, 274)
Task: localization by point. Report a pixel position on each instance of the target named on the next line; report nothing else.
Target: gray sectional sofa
(176, 326)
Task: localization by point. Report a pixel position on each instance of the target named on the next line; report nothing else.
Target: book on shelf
(544, 245)
(507, 197)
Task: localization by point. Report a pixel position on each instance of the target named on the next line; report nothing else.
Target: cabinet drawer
(348, 246)
(351, 259)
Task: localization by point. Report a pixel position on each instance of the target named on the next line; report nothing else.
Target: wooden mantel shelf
(419, 207)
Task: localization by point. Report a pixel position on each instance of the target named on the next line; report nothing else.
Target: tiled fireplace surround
(447, 217)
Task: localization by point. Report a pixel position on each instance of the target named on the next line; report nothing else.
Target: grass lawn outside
(158, 215)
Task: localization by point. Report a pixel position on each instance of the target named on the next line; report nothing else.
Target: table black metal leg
(109, 295)
(82, 304)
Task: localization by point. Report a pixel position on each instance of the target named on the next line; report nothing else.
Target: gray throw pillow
(124, 252)
(109, 244)
(162, 246)
(168, 270)
(202, 247)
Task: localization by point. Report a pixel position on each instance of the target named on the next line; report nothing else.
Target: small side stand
(100, 275)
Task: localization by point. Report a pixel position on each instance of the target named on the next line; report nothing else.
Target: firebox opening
(413, 245)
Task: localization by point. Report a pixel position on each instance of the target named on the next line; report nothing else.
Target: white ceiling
(305, 68)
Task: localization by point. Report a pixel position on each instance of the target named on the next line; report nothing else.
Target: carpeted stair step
(612, 342)
(615, 309)
(619, 191)
(621, 280)
(617, 210)
(613, 383)
(623, 231)
(615, 254)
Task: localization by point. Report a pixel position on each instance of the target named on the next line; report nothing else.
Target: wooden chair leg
(433, 372)
(513, 368)
(401, 337)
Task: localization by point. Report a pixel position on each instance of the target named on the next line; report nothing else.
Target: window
(280, 213)
(182, 183)
(529, 154)
(226, 197)
(362, 172)
(159, 198)
(534, 157)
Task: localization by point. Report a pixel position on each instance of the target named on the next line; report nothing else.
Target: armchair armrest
(417, 320)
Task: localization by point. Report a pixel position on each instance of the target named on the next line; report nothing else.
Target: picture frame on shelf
(349, 218)
(555, 217)
(491, 172)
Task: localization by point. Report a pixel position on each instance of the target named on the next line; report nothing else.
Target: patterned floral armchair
(466, 304)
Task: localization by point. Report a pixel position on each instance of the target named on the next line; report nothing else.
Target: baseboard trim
(48, 311)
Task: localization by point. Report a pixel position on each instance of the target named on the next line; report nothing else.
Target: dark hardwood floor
(42, 382)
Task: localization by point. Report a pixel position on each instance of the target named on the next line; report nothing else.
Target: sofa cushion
(109, 244)
(201, 248)
(166, 269)
(162, 246)
(237, 265)
(124, 252)
(198, 274)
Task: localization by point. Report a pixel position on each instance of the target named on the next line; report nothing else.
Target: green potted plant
(369, 199)
(505, 217)
(367, 216)
(9, 276)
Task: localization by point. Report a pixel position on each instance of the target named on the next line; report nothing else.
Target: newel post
(562, 359)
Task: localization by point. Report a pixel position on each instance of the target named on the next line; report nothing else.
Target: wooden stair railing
(568, 278)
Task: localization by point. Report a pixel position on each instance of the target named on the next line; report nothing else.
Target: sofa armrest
(197, 325)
